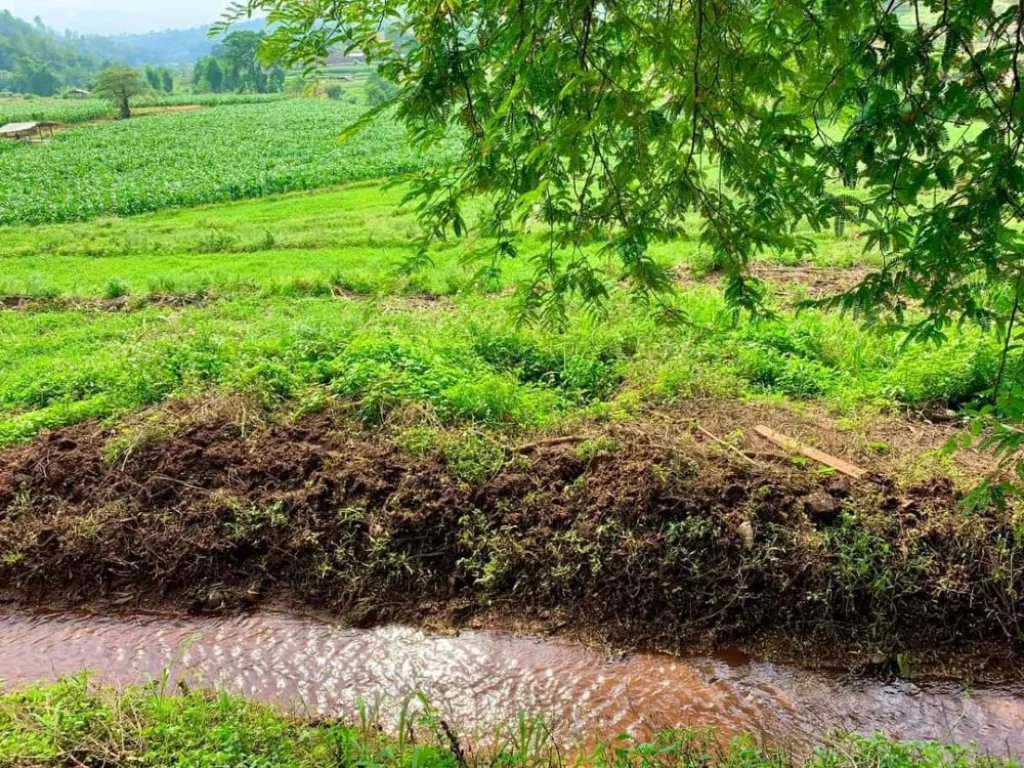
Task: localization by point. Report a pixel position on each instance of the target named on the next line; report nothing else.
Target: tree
(207, 76)
(613, 121)
(152, 78)
(167, 80)
(31, 76)
(275, 79)
(243, 71)
(120, 86)
(379, 91)
(215, 75)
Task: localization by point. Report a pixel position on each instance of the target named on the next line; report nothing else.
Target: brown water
(479, 680)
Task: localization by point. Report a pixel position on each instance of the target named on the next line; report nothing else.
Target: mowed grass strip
(353, 237)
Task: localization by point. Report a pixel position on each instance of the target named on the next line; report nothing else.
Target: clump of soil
(644, 543)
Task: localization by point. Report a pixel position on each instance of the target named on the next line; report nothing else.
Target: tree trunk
(126, 111)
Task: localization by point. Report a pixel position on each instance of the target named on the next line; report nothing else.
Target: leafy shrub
(115, 289)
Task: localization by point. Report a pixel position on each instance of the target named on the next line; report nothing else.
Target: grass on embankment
(71, 723)
(465, 361)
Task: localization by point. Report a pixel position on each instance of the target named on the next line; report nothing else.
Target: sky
(117, 16)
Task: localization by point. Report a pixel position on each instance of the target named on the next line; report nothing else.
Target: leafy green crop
(189, 158)
(83, 110)
(55, 110)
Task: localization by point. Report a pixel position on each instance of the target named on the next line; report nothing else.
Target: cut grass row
(73, 723)
(354, 237)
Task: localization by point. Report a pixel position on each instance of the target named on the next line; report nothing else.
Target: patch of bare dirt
(806, 280)
(413, 302)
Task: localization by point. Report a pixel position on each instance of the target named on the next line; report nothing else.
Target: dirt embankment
(630, 539)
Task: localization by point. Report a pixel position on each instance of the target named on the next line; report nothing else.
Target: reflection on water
(481, 680)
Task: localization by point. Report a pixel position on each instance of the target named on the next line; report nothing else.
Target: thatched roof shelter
(24, 130)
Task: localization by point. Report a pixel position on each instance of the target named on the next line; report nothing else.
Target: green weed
(78, 723)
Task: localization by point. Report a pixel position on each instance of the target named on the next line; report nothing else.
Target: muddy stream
(479, 680)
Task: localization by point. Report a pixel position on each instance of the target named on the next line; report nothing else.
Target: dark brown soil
(659, 540)
(410, 303)
(120, 304)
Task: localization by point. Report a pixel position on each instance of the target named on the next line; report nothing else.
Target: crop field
(138, 272)
(185, 159)
(293, 298)
(53, 110)
(72, 111)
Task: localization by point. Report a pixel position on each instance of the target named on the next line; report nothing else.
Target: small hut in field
(27, 131)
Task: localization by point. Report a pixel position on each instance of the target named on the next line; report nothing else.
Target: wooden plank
(795, 446)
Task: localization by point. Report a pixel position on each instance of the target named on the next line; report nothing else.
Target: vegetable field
(55, 110)
(191, 158)
(72, 111)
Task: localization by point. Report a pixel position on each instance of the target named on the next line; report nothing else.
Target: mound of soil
(645, 543)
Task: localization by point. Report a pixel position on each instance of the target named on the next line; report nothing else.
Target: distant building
(343, 59)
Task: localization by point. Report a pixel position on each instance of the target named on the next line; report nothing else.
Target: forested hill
(170, 47)
(36, 59)
(33, 59)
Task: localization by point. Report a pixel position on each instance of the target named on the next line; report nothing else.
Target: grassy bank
(72, 723)
(465, 360)
(640, 532)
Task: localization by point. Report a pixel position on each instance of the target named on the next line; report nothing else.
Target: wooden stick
(728, 447)
(550, 443)
(794, 446)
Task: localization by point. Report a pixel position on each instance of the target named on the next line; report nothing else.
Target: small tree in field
(120, 86)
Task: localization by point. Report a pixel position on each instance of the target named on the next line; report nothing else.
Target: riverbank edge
(75, 722)
(623, 537)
